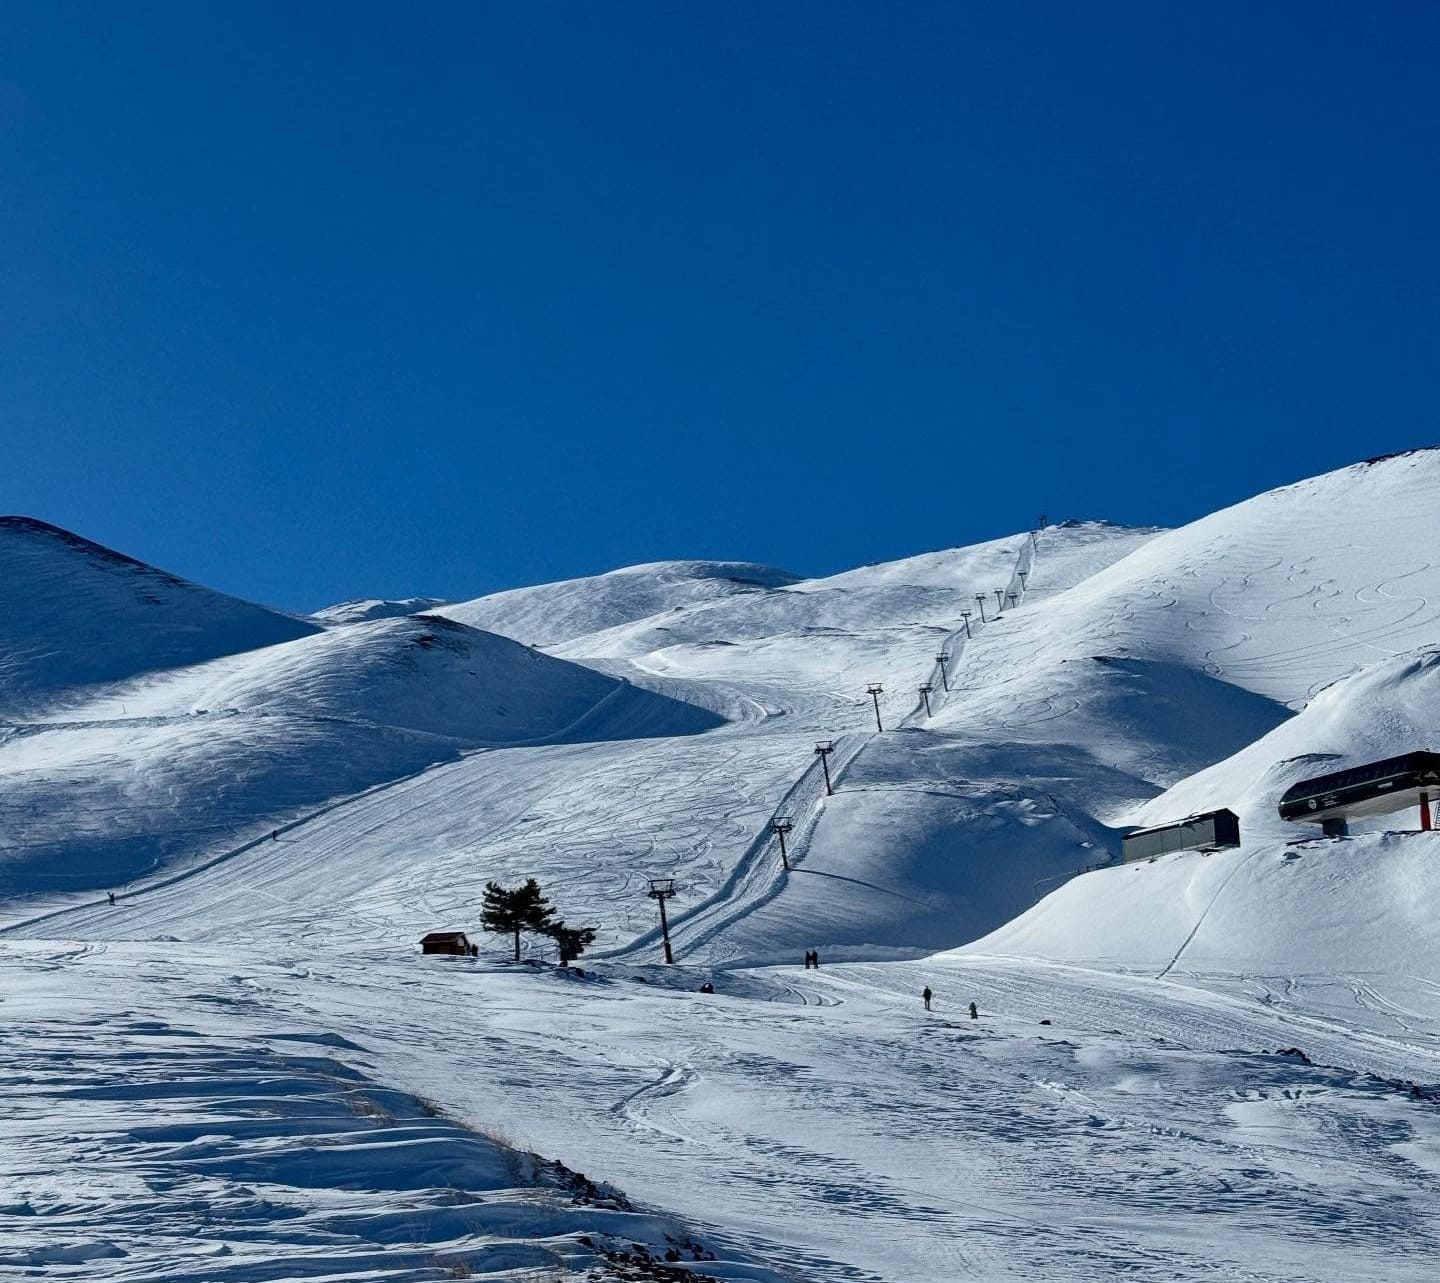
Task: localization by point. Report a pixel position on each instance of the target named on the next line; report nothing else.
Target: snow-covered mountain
(216, 755)
(550, 613)
(1125, 661)
(1278, 595)
(76, 614)
(284, 815)
(368, 609)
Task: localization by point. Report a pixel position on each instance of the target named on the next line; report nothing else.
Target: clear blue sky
(311, 301)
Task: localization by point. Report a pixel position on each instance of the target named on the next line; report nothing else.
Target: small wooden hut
(447, 942)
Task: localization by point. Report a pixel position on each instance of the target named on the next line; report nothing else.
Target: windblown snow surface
(371, 608)
(1221, 1066)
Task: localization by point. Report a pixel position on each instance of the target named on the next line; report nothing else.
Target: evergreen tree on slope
(524, 908)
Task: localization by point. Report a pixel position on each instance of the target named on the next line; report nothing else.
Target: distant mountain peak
(366, 609)
(33, 526)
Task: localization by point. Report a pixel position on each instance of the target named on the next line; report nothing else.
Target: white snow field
(1222, 1066)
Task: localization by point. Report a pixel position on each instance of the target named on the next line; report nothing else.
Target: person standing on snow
(927, 995)
(111, 894)
(974, 1012)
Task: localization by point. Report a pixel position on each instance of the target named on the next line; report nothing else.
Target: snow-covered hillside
(218, 755)
(1112, 664)
(1221, 1066)
(1287, 899)
(73, 614)
(417, 672)
(551, 613)
(1277, 596)
(369, 609)
(809, 649)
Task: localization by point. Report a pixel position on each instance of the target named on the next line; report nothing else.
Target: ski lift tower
(661, 889)
(824, 748)
(780, 826)
(875, 690)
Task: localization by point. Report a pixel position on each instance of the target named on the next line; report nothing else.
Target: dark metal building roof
(1375, 788)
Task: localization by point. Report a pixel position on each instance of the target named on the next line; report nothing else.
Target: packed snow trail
(953, 647)
(762, 880)
(759, 875)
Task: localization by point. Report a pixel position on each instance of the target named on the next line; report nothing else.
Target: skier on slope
(927, 995)
(974, 1012)
(111, 894)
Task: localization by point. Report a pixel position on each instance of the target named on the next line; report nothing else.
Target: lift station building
(1377, 788)
(1213, 831)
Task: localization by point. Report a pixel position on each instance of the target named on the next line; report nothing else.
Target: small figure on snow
(275, 835)
(707, 987)
(111, 894)
(927, 995)
(812, 959)
(815, 959)
(974, 1012)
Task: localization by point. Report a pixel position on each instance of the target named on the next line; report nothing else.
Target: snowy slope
(1287, 900)
(595, 821)
(371, 608)
(550, 613)
(193, 762)
(809, 650)
(417, 672)
(76, 614)
(1277, 596)
(288, 1112)
(1122, 1105)
(162, 1129)
(1081, 702)
(1092, 696)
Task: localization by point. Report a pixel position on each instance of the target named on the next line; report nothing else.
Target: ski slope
(298, 1114)
(1277, 596)
(185, 767)
(285, 820)
(450, 789)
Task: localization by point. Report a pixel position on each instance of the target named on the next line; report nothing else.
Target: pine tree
(524, 908)
(572, 941)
